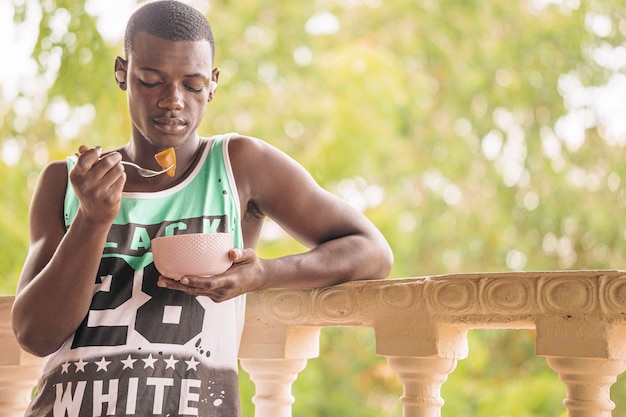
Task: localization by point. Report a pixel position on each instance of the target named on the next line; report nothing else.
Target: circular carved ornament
(400, 296)
(452, 297)
(335, 304)
(567, 295)
(613, 291)
(286, 305)
(508, 295)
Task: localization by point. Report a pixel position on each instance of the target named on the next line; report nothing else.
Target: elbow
(33, 339)
(385, 261)
(380, 259)
(38, 346)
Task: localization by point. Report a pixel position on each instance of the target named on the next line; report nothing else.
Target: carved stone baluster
(422, 379)
(580, 344)
(273, 355)
(588, 382)
(422, 351)
(423, 357)
(273, 379)
(18, 370)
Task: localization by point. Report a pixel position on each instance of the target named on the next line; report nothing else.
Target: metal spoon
(144, 172)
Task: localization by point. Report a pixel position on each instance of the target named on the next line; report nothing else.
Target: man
(121, 339)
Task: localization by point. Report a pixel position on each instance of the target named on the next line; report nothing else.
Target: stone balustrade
(421, 327)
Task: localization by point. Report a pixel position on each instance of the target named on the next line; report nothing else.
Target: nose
(172, 99)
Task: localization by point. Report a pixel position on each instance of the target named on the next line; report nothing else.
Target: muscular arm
(344, 244)
(56, 285)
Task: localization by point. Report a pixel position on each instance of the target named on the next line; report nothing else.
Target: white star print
(128, 362)
(80, 365)
(171, 362)
(149, 362)
(192, 363)
(103, 365)
(65, 367)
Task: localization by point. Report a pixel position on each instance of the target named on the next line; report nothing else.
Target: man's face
(168, 88)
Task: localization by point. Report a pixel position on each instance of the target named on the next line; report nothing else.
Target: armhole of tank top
(69, 194)
(229, 172)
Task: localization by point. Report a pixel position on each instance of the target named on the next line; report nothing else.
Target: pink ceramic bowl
(199, 254)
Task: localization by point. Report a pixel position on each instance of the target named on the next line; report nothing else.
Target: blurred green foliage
(478, 135)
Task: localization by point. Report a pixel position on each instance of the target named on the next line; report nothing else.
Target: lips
(169, 124)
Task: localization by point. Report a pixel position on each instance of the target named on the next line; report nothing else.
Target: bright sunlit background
(478, 136)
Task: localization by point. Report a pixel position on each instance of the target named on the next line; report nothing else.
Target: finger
(235, 255)
(206, 283)
(217, 295)
(171, 284)
(118, 185)
(86, 151)
(102, 181)
(108, 169)
(185, 282)
(87, 157)
(108, 160)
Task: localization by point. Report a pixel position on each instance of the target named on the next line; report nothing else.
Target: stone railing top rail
(424, 315)
(473, 300)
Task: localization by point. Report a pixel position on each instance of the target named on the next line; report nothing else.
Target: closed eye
(194, 89)
(150, 85)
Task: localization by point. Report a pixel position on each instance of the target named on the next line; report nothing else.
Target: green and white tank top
(145, 350)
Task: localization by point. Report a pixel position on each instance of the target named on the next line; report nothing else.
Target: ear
(120, 72)
(215, 75)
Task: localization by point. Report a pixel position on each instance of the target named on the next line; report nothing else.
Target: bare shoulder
(247, 149)
(49, 195)
(250, 152)
(53, 179)
(262, 167)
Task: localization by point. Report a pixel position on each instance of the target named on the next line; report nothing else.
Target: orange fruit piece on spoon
(166, 159)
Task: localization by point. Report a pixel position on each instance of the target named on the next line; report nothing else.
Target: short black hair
(170, 20)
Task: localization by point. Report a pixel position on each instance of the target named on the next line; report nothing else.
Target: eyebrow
(158, 71)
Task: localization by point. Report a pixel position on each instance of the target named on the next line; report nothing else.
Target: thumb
(236, 255)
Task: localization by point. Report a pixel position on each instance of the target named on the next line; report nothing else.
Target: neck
(142, 153)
